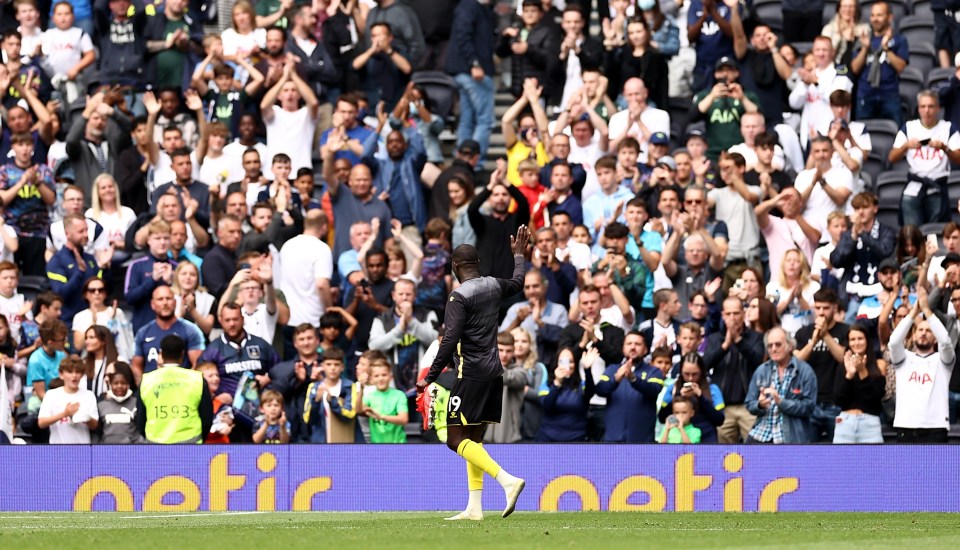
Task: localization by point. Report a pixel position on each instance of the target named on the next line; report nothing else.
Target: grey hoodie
(118, 419)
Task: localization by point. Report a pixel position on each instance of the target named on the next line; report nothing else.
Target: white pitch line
(194, 514)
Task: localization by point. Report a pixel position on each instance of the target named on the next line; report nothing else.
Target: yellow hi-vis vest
(171, 396)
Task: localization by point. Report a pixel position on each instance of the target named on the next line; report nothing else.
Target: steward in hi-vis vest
(175, 404)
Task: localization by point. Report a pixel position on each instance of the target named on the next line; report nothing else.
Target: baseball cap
(696, 133)
(726, 61)
(951, 258)
(888, 263)
(469, 147)
(667, 161)
(660, 138)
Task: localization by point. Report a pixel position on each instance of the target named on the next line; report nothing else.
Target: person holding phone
(695, 386)
(930, 146)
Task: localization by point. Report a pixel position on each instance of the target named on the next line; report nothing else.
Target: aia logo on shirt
(927, 153)
(920, 378)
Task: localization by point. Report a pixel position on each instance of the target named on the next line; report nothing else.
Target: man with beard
(537, 315)
(71, 266)
(923, 376)
(147, 341)
(631, 411)
(404, 334)
(398, 176)
(494, 229)
(236, 354)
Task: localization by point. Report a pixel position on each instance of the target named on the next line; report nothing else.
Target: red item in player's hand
(425, 408)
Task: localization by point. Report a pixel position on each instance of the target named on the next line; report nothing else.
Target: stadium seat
(911, 82)
(933, 229)
(890, 187)
(882, 133)
(923, 56)
(889, 216)
(921, 7)
(770, 13)
(679, 110)
(917, 29)
(442, 90)
(829, 10)
(874, 164)
(803, 47)
(867, 181)
(31, 285)
(939, 77)
(897, 7)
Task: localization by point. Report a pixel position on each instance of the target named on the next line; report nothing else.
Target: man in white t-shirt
(812, 93)
(290, 127)
(307, 265)
(929, 145)
(73, 200)
(825, 187)
(734, 206)
(638, 120)
(217, 167)
(923, 376)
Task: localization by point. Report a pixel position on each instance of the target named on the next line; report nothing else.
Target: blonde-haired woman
(243, 39)
(792, 292)
(115, 218)
(194, 303)
(525, 352)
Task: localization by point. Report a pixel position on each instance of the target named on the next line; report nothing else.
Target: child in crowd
(225, 102)
(628, 170)
(532, 189)
(12, 303)
(435, 279)
(44, 363)
(304, 184)
(329, 407)
(836, 226)
(47, 307)
(31, 35)
(67, 51)
(70, 411)
(118, 409)
(678, 427)
(272, 427)
(222, 412)
(337, 328)
(386, 407)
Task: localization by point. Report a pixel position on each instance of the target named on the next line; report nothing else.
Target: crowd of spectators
(276, 193)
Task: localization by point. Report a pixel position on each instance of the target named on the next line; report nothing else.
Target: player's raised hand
(519, 242)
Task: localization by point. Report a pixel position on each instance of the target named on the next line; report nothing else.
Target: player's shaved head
(465, 254)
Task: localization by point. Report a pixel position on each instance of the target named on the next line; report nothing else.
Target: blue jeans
(928, 206)
(823, 421)
(954, 406)
(880, 106)
(858, 428)
(476, 110)
(853, 306)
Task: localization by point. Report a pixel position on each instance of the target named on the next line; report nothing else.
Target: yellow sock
(474, 477)
(475, 454)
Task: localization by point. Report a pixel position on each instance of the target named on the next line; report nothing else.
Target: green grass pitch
(388, 531)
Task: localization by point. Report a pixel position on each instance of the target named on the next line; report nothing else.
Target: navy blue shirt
(147, 342)
(889, 77)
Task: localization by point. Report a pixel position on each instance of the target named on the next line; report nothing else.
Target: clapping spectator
(113, 217)
(27, 190)
(100, 358)
(116, 320)
(146, 273)
(791, 231)
(859, 395)
(514, 384)
(710, 31)
(404, 333)
(537, 314)
(732, 356)
(631, 389)
(638, 58)
(531, 140)
(289, 118)
(193, 301)
(533, 48)
(861, 250)
(821, 345)
(922, 412)
(387, 66)
(793, 291)
(881, 58)
(782, 394)
(845, 29)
